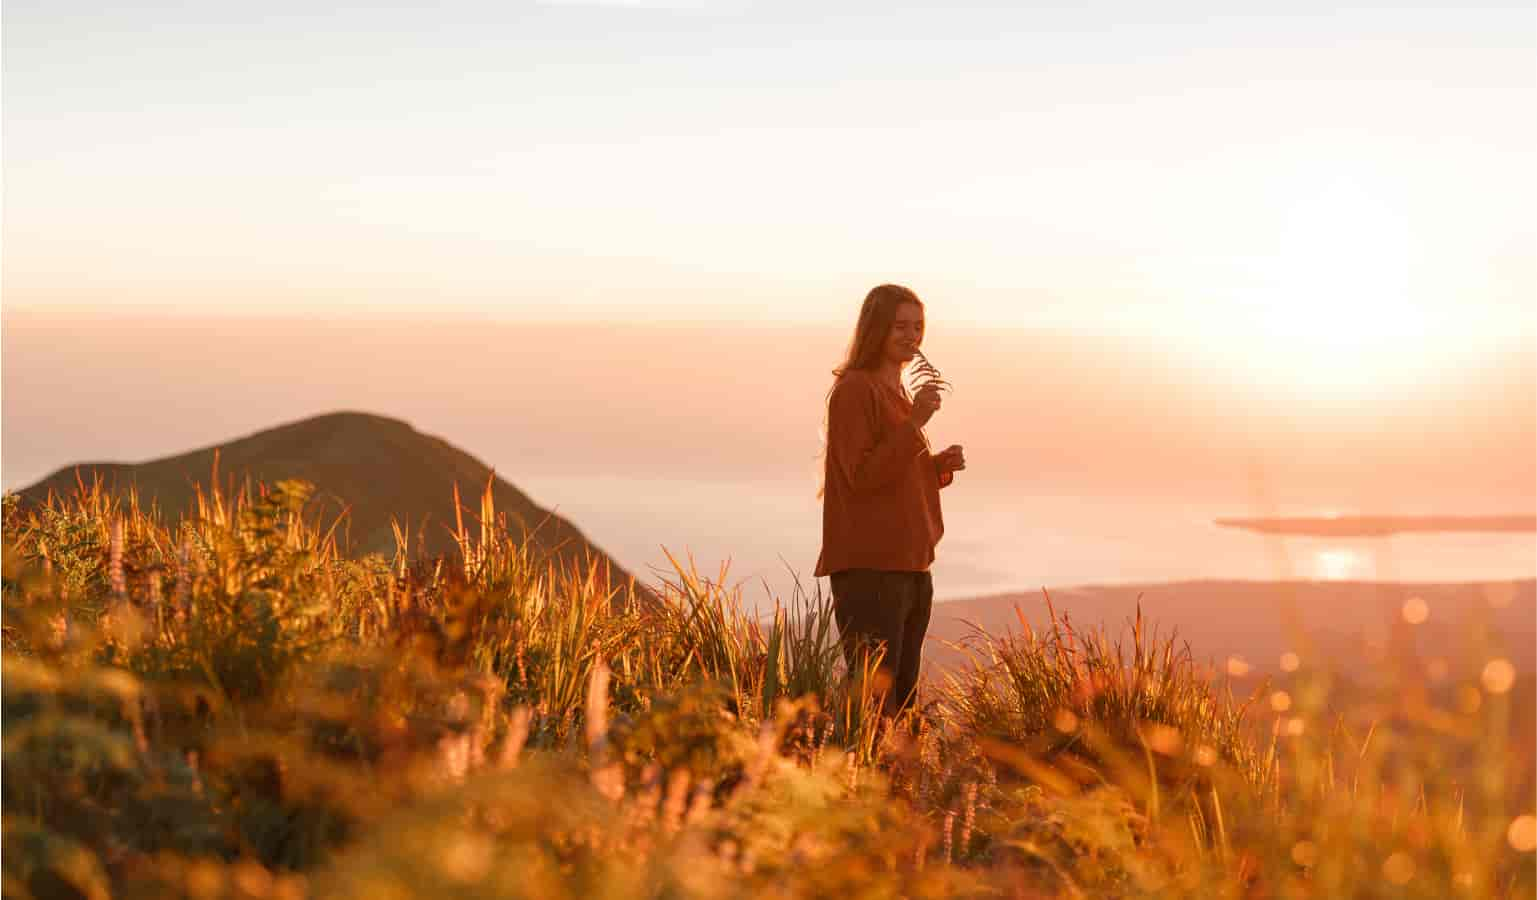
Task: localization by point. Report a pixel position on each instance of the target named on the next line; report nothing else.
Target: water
(999, 538)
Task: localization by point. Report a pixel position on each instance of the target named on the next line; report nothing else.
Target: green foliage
(39, 864)
(1025, 687)
(689, 729)
(225, 707)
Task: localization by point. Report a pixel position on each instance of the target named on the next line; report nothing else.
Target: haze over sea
(1004, 537)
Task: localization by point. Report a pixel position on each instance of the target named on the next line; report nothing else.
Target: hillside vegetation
(226, 706)
(390, 478)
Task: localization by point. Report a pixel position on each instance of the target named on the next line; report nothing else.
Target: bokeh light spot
(1498, 676)
(1522, 833)
(1304, 853)
(1164, 739)
(1398, 868)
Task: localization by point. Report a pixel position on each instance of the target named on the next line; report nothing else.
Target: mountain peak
(374, 466)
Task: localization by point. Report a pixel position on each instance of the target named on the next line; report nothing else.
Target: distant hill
(1259, 620)
(379, 466)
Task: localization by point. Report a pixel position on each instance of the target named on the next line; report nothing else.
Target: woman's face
(906, 333)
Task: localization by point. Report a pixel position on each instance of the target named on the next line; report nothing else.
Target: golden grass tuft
(225, 706)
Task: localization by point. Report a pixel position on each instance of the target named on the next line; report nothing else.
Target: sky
(1103, 415)
(1217, 173)
(1163, 247)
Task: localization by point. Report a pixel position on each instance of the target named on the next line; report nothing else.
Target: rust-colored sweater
(880, 503)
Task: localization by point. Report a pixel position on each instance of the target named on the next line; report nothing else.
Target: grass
(225, 705)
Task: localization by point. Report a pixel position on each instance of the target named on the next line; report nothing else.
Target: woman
(880, 496)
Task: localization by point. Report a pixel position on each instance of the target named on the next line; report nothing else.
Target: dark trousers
(878, 607)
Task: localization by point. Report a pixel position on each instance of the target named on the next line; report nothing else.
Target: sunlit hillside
(389, 486)
(225, 706)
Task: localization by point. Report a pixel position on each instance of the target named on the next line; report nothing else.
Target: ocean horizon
(1003, 538)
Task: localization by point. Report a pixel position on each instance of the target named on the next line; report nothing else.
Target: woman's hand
(952, 459)
(925, 404)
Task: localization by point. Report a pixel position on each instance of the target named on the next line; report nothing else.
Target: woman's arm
(853, 424)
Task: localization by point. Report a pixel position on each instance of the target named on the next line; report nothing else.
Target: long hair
(866, 347)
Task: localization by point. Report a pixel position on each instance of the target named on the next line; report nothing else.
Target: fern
(923, 374)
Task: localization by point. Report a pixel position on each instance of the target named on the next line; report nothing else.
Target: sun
(1340, 277)
(1332, 300)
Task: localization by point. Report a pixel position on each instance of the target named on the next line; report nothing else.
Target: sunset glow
(1222, 256)
(1339, 565)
